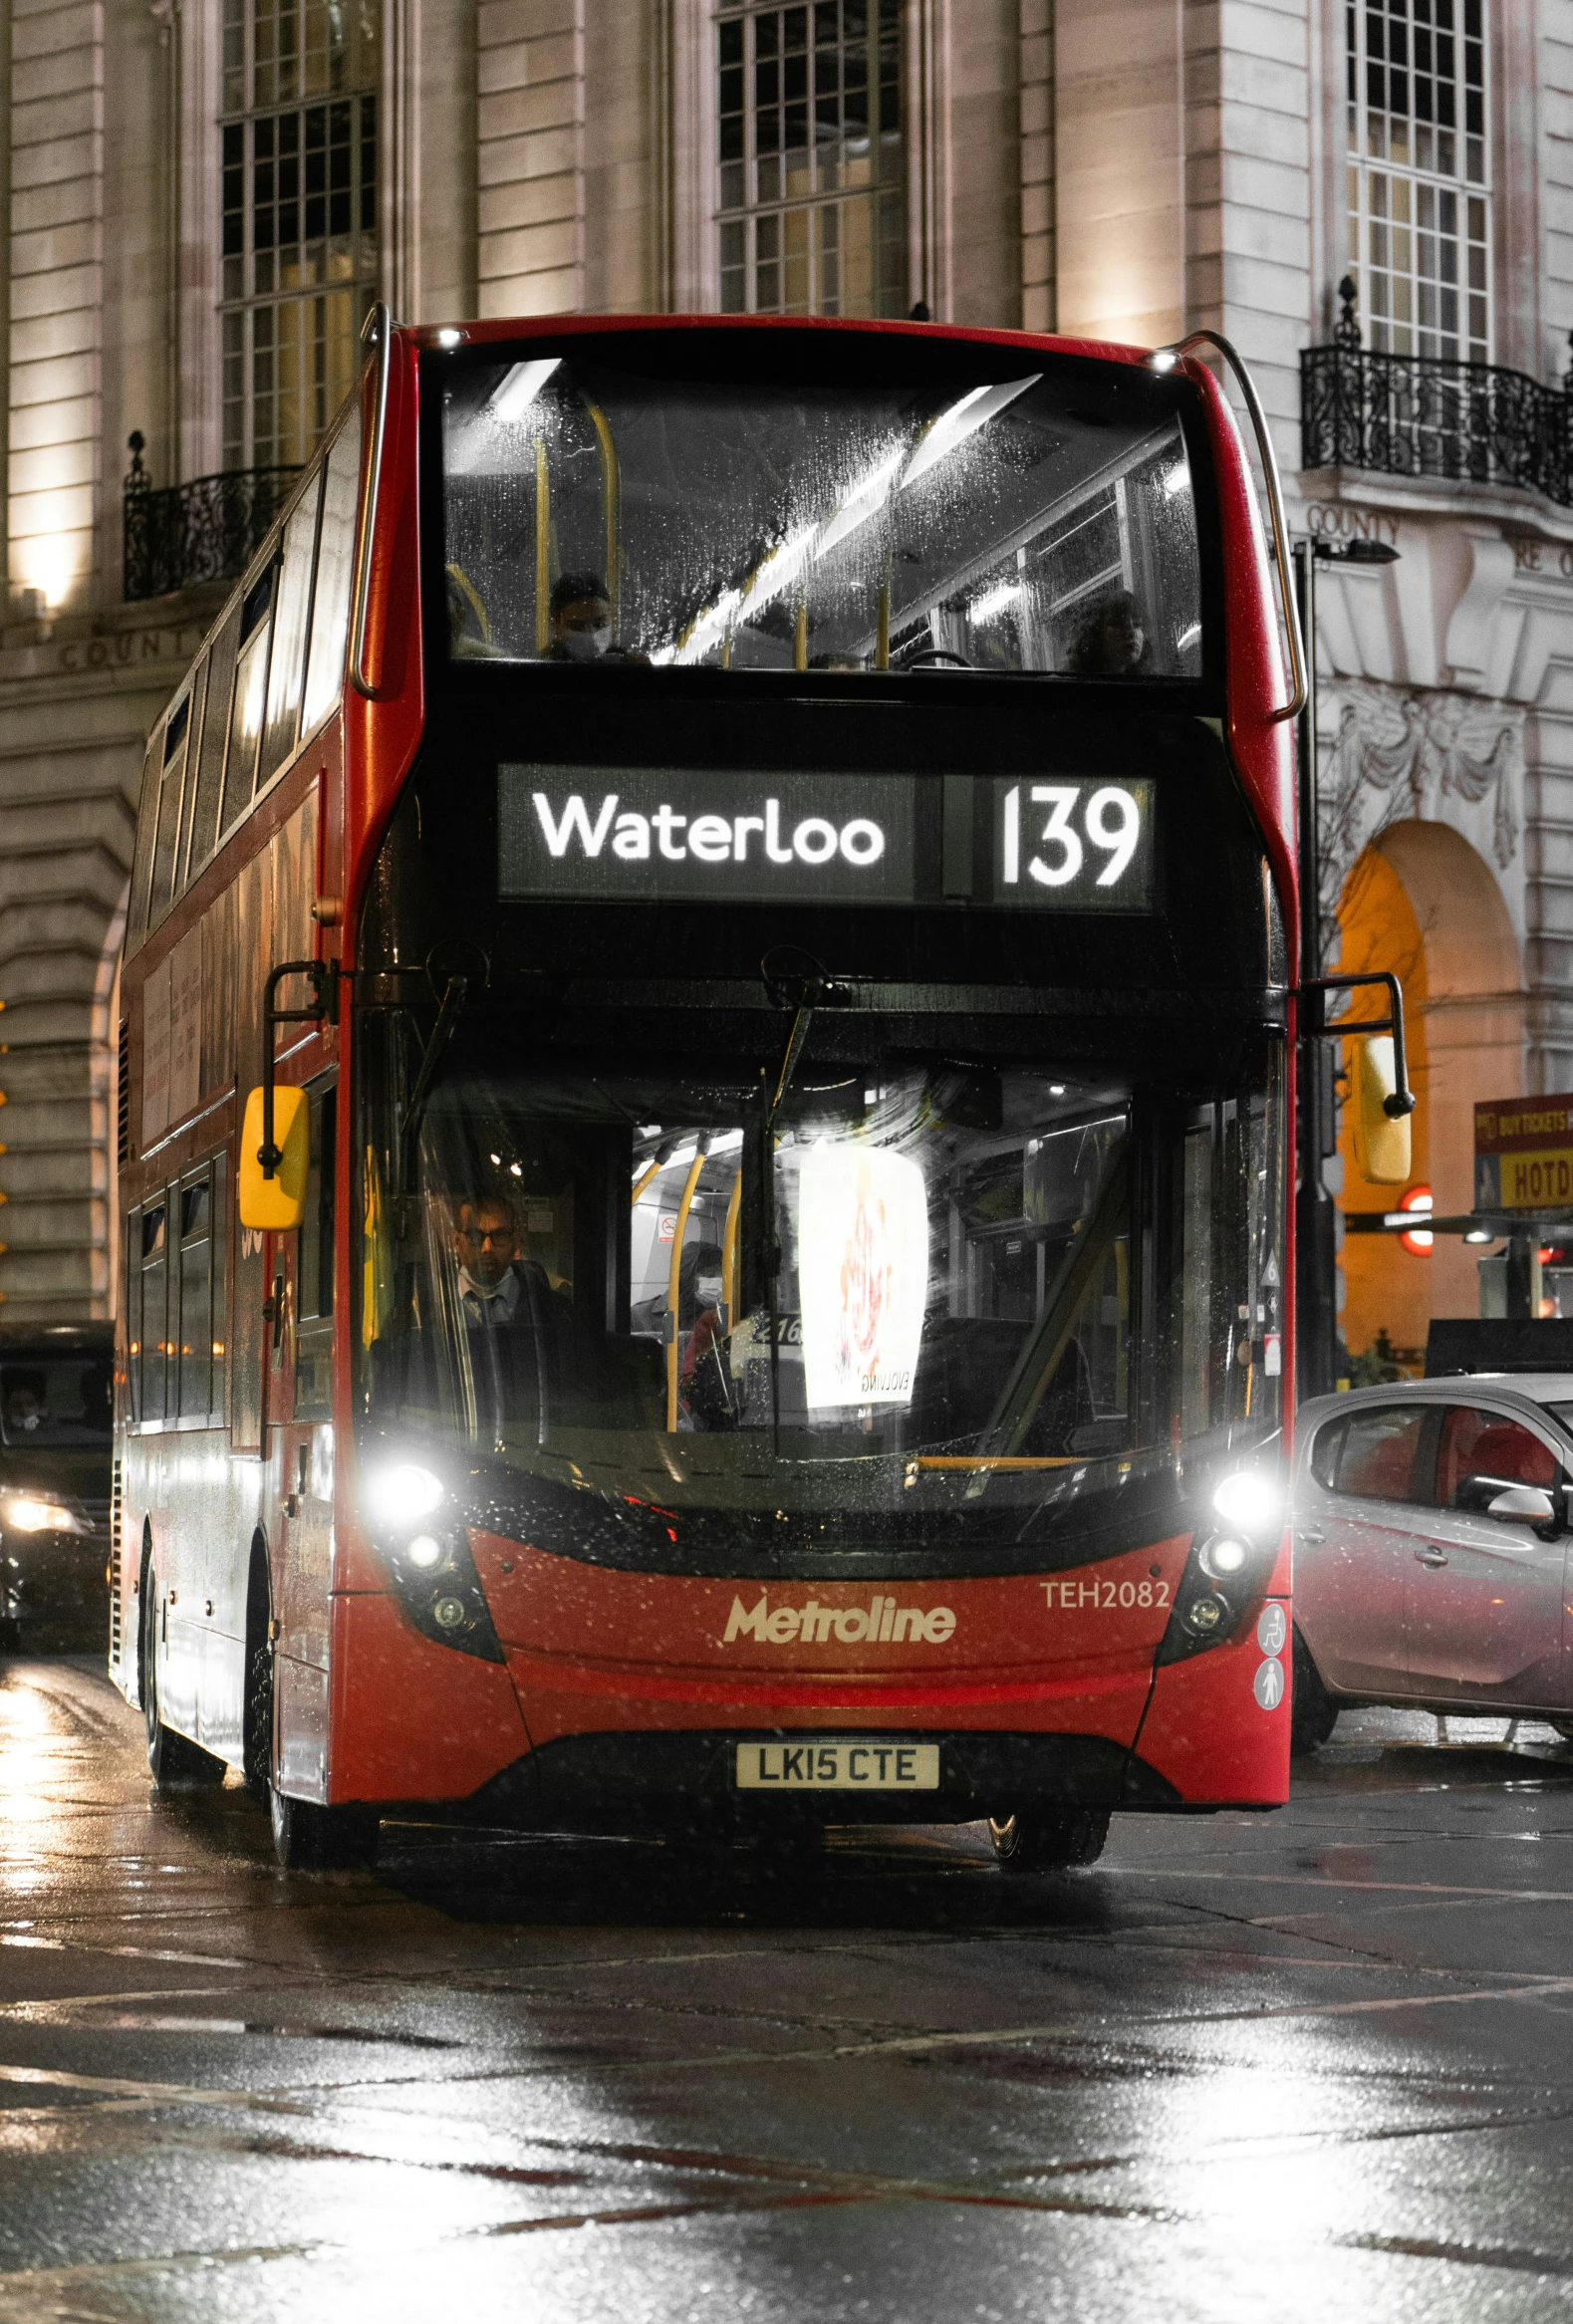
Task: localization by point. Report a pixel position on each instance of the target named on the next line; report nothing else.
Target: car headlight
(22, 1514)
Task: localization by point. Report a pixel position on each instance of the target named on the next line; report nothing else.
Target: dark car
(56, 1403)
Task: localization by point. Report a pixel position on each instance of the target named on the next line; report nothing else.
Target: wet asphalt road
(1312, 2065)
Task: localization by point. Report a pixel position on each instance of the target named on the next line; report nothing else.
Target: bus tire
(174, 1762)
(1049, 1839)
(1313, 1713)
(310, 1838)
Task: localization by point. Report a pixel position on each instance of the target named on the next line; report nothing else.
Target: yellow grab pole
(800, 637)
(641, 1183)
(612, 487)
(729, 1250)
(683, 1207)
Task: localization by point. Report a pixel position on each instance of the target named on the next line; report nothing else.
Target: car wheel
(1049, 1839)
(1313, 1713)
(174, 1762)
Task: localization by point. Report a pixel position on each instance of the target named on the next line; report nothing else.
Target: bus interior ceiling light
(965, 419)
(524, 381)
(1251, 1500)
(403, 1491)
(994, 601)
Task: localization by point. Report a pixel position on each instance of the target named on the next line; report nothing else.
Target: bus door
(300, 1453)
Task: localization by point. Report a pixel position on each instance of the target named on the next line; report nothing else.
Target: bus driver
(516, 1326)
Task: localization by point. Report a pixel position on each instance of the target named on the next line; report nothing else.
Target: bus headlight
(402, 1491)
(1206, 1614)
(424, 1542)
(1250, 1499)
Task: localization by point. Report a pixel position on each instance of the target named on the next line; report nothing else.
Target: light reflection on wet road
(1312, 2065)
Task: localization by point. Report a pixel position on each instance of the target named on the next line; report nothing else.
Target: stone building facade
(198, 198)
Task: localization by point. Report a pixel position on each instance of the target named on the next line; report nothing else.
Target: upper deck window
(1042, 522)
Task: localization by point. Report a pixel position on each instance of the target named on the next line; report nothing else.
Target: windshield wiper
(1038, 1364)
(795, 979)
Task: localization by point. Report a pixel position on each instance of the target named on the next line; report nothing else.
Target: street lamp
(1316, 1213)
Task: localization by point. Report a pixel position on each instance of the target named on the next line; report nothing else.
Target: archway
(1422, 902)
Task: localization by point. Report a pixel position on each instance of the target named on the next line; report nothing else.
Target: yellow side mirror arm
(1383, 1098)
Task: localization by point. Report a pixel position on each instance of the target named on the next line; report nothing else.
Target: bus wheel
(1313, 1713)
(310, 1838)
(174, 1760)
(1049, 1839)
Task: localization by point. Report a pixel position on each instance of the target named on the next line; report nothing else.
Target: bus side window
(196, 1299)
(251, 693)
(314, 1330)
(215, 734)
(220, 1242)
(133, 1316)
(288, 668)
(167, 833)
(193, 748)
(155, 1334)
(147, 825)
(335, 558)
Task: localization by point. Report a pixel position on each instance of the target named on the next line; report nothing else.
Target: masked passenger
(580, 613)
(705, 1379)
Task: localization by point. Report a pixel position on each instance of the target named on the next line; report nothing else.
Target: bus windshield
(873, 1287)
(937, 519)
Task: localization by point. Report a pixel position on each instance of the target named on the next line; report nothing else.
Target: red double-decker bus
(707, 1083)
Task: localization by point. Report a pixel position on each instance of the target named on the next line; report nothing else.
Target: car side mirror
(1523, 1506)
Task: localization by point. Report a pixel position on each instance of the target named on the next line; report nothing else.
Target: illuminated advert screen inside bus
(656, 834)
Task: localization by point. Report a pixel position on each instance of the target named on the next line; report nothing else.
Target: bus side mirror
(1381, 1138)
(276, 1203)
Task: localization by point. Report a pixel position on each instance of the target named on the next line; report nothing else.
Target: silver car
(1432, 1549)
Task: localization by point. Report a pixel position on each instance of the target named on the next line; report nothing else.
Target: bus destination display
(695, 834)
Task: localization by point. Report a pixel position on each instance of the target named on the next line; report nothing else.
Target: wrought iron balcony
(206, 530)
(1424, 416)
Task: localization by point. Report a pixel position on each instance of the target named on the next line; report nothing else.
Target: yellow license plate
(838, 1764)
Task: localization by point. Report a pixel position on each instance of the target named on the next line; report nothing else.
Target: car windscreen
(55, 1403)
(1040, 517)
